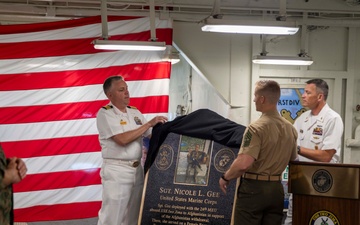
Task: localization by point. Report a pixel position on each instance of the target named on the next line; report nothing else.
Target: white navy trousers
(122, 192)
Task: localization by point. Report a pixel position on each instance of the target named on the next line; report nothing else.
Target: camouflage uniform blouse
(5, 193)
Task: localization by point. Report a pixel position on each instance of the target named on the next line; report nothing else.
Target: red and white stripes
(50, 91)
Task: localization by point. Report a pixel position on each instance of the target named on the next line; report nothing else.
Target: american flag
(50, 91)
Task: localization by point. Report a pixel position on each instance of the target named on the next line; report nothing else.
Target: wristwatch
(298, 149)
(223, 177)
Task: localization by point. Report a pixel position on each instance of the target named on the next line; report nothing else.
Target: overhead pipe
(152, 21)
(282, 10)
(303, 43)
(104, 20)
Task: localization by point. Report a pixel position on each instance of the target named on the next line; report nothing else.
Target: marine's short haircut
(270, 89)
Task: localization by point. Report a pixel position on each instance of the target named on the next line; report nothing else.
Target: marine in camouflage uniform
(6, 203)
(195, 158)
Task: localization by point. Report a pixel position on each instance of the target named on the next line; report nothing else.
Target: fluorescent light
(250, 27)
(129, 45)
(283, 60)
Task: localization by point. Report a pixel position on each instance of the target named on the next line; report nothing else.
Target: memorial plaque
(182, 185)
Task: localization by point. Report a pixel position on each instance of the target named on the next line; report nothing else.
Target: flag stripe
(70, 78)
(59, 163)
(72, 111)
(58, 180)
(38, 27)
(78, 62)
(66, 47)
(58, 212)
(58, 196)
(45, 113)
(54, 146)
(87, 93)
(116, 28)
(48, 130)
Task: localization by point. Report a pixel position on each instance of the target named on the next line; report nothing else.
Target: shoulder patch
(107, 107)
(247, 139)
(131, 107)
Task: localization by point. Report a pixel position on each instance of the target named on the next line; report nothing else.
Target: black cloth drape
(202, 123)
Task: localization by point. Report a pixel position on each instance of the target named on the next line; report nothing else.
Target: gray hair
(321, 86)
(109, 81)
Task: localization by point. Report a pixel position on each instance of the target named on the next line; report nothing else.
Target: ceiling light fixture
(283, 60)
(106, 44)
(129, 45)
(250, 27)
(302, 59)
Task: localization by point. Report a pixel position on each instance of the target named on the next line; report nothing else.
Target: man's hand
(12, 174)
(158, 119)
(21, 167)
(223, 185)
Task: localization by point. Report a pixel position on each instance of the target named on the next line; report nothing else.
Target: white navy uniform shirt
(111, 121)
(321, 132)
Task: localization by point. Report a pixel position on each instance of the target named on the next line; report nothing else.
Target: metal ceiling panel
(187, 10)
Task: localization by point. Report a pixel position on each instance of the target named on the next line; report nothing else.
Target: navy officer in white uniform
(319, 130)
(121, 129)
